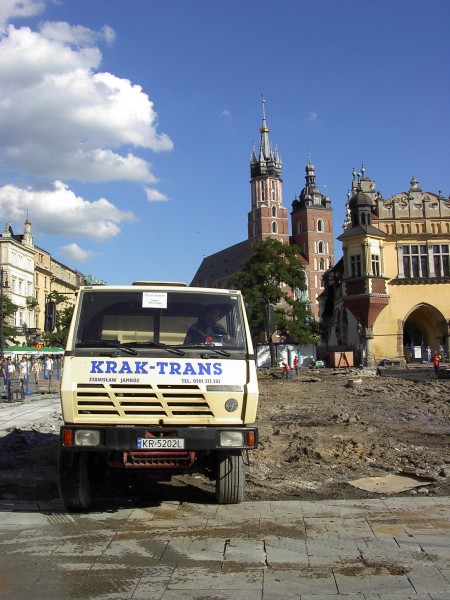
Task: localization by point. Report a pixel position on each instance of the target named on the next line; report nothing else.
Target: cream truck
(158, 378)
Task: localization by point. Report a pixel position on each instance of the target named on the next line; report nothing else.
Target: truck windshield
(156, 318)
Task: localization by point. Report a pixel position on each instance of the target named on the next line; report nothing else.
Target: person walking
(24, 370)
(48, 367)
(3, 376)
(296, 364)
(36, 369)
(436, 364)
(287, 370)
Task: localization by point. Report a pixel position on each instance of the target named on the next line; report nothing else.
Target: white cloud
(57, 210)
(226, 114)
(75, 254)
(155, 196)
(11, 9)
(75, 34)
(60, 118)
(312, 116)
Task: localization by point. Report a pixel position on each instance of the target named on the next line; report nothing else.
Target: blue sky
(127, 125)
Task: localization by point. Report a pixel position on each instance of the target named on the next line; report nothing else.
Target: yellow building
(389, 295)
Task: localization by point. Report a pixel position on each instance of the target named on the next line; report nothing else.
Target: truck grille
(138, 400)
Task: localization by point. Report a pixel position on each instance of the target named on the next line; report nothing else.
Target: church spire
(266, 162)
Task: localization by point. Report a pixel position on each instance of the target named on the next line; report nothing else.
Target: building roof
(222, 265)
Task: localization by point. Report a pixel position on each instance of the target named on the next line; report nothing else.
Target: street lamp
(3, 284)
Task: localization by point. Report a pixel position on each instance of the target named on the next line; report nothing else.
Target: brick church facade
(311, 224)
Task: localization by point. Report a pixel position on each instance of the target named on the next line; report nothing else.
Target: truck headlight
(230, 439)
(87, 437)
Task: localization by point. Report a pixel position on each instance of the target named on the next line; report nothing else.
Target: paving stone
(370, 579)
(205, 578)
(299, 581)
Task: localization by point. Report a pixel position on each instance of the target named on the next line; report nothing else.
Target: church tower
(268, 217)
(312, 231)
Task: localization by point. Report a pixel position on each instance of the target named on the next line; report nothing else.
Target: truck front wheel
(230, 477)
(75, 487)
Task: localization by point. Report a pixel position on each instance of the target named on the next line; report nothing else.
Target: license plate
(167, 443)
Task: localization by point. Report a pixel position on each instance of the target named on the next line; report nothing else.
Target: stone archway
(424, 326)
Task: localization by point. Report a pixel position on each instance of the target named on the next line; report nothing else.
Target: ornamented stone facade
(389, 295)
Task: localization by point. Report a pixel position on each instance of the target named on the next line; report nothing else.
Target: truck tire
(75, 487)
(230, 477)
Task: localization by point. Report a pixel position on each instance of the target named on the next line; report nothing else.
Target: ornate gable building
(389, 295)
(311, 224)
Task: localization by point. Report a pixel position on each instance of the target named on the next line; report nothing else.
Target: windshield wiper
(129, 347)
(107, 344)
(173, 349)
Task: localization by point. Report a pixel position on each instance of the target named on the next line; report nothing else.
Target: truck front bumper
(155, 439)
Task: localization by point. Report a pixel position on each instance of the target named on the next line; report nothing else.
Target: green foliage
(270, 273)
(297, 323)
(58, 337)
(9, 332)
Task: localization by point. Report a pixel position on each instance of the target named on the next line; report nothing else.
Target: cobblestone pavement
(383, 549)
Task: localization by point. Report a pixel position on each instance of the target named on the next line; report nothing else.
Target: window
(321, 265)
(319, 225)
(273, 190)
(320, 248)
(376, 265)
(274, 211)
(441, 260)
(274, 227)
(415, 261)
(355, 265)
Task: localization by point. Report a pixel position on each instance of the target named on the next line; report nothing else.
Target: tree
(8, 311)
(58, 337)
(267, 278)
(298, 323)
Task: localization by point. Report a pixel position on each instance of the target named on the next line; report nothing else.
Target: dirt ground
(318, 432)
(322, 429)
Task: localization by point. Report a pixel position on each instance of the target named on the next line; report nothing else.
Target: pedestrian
(287, 370)
(48, 367)
(36, 369)
(24, 369)
(296, 364)
(3, 375)
(436, 361)
(10, 369)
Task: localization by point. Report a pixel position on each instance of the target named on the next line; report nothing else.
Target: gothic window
(321, 265)
(415, 261)
(262, 192)
(319, 225)
(355, 265)
(273, 190)
(320, 248)
(274, 227)
(376, 265)
(274, 211)
(441, 260)
(299, 227)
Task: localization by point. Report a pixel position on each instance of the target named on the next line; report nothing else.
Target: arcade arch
(423, 326)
